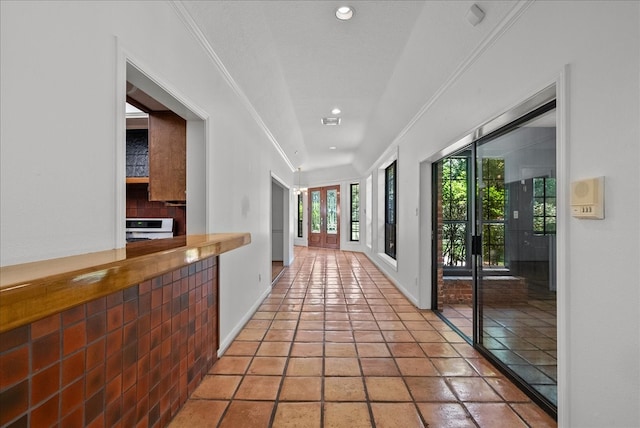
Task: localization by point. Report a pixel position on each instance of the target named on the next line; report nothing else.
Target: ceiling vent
(330, 121)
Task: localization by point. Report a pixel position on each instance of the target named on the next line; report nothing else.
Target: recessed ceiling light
(330, 120)
(344, 13)
(336, 110)
(332, 148)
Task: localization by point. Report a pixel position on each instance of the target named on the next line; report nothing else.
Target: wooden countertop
(35, 290)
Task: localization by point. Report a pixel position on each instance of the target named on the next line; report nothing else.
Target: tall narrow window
(544, 206)
(355, 211)
(300, 214)
(494, 200)
(390, 203)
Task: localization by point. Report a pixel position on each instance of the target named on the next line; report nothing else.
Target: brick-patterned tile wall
(130, 359)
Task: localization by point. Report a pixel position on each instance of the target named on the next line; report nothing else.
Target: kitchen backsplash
(139, 206)
(137, 153)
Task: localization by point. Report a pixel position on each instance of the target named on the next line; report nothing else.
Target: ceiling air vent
(330, 121)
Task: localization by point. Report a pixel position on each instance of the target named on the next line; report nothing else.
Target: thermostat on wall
(587, 198)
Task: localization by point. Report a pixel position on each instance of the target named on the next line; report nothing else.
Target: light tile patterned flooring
(335, 344)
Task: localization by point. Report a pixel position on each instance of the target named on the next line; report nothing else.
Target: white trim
(514, 14)
(197, 33)
(228, 340)
(388, 260)
(120, 189)
(562, 243)
(396, 284)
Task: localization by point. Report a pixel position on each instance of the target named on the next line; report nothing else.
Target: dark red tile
(71, 397)
(130, 293)
(73, 315)
(45, 351)
(115, 317)
(113, 390)
(96, 326)
(15, 401)
(114, 299)
(44, 384)
(94, 406)
(46, 415)
(96, 306)
(14, 366)
(95, 354)
(94, 381)
(74, 420)
(114, 342)
(73, 367)
(22, 422)
(14, 338)
(130, 309)
(113, 413)
(74, 338)
(45, 326)
(114, 366)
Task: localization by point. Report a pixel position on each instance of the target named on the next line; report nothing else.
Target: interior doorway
(494, 247)
(324, 217)
(280, 233)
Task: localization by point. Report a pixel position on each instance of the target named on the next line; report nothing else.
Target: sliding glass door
(494, 246)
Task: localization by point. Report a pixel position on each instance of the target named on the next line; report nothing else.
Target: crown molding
(197, 33)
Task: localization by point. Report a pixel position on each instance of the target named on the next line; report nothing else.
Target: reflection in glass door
(324, 212)
(494, 248)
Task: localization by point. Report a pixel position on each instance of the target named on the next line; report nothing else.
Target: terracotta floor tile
(368, 336)
(472, 389)
(372, 350)
(498, 415)
(507, 390)
(274, 349)
(217, 387)
(387, 389)
(336, 316)
(338, 336)
(362, 316)
(439, 350)
(239, 348)
(296, 415)
(264, 315)
(534, 415)
(199, 413)
(311, 366)
(258, 323)
(346, 415)
(344, 389)
(429, 389)
(341, 367)
(311, 316)
(311, 325)
(405, 349)
(231, 365)
(309, 336)
(396, 415)
(258, 388)
(445, 415)
(247, 414)
(427, 336)
(398, 336)
(284, 325)
(307, 349)
(251, 334)
(379, 367)
(416, 367)
(267, 365)
(453, 367)
(336, 349)
(279, 335)
(301, 389)
(391, 325)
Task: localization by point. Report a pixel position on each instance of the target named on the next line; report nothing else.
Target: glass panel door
(324, 212)
(516, 290)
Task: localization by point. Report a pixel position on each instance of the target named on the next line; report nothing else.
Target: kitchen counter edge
(31, 291)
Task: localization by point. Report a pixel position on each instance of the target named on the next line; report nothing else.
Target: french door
(494, 248)
(324, 217)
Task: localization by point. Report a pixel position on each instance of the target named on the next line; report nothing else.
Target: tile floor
(335, 344)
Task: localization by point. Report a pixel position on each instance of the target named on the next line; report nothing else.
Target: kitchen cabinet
(167, 157)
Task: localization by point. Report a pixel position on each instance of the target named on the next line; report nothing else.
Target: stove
(144, 229)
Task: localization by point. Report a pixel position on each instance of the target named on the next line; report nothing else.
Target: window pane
(355, 212)
(454, 244)
(300, 214)
(315, 211)
(332, 211)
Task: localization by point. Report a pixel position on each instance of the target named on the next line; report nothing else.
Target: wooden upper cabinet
(167, 157)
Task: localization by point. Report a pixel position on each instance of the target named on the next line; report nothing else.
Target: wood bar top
(35, 290)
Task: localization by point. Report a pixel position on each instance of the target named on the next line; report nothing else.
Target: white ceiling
(295, 61)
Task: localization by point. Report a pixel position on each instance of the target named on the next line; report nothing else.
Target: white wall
(58, 186)
(599, 313)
